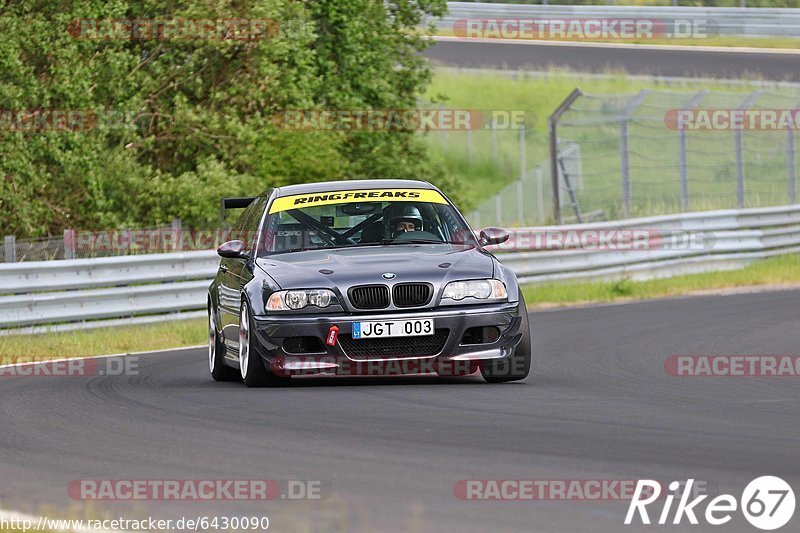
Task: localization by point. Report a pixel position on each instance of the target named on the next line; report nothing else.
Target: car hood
(346, 267)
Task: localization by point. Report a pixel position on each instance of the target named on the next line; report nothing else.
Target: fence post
(625, 168)
(539, 195)
(738, 146)
(469, 145)
(552, 127)
(522, 155)
(498, 210)
(684, 165)
(683, 169)
(442, 132)
(9, 249)
(790, 161)
(520, 204)
(494, 140)
(69, 244)
(177, 234)
(623, 151)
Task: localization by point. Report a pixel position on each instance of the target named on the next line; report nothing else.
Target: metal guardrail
(731, 239)
(86, 292)
(730, 21)
(74, 291)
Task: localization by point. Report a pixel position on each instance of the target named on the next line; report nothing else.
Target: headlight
(298, 299)
(481, 289)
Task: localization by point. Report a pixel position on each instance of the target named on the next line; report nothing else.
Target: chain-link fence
(658, 152)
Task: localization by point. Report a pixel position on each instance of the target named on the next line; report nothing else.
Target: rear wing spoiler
(235, 203)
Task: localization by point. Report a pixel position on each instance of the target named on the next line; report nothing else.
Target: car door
(229, 300)
(240, 271)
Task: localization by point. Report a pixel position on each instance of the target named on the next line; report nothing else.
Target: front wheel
(518, 365)
(254, 372)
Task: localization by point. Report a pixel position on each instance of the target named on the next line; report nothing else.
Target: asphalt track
(599, 406)
(597, 58)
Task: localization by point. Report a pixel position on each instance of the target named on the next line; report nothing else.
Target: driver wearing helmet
(408, 219)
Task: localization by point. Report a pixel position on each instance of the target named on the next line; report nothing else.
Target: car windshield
(350, 219)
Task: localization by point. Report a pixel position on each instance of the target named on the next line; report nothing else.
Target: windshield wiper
(419, 241)
(384, 242)
(355, 245)
(292, 250)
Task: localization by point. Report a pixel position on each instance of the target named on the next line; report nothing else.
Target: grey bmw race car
(362, 277)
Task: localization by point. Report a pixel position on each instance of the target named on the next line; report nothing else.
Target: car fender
(257, 290)
(507, 276)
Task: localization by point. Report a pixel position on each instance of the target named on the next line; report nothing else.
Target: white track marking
(63, 359)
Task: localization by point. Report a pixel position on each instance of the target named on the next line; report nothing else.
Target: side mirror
(232, 249)
(491, 236)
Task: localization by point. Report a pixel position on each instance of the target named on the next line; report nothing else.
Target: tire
(216, 352)
(253, 371)
(518, 365)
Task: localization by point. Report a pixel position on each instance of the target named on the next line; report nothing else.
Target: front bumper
(454, 357)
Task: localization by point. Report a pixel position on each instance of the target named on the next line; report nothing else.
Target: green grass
(777, 271)
(102, 341)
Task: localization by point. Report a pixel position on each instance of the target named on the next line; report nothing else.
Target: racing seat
(288, 237)
(372, 233)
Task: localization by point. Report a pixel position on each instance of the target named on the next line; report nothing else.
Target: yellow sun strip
(298, 201)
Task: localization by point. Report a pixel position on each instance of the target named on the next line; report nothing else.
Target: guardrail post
(69, 244)
(790, 161)
(9, 249)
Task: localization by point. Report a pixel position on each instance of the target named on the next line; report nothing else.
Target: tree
(169, 125)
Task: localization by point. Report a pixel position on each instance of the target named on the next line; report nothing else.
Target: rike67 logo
(767, 503)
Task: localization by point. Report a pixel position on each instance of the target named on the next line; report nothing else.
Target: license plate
(417, 327)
